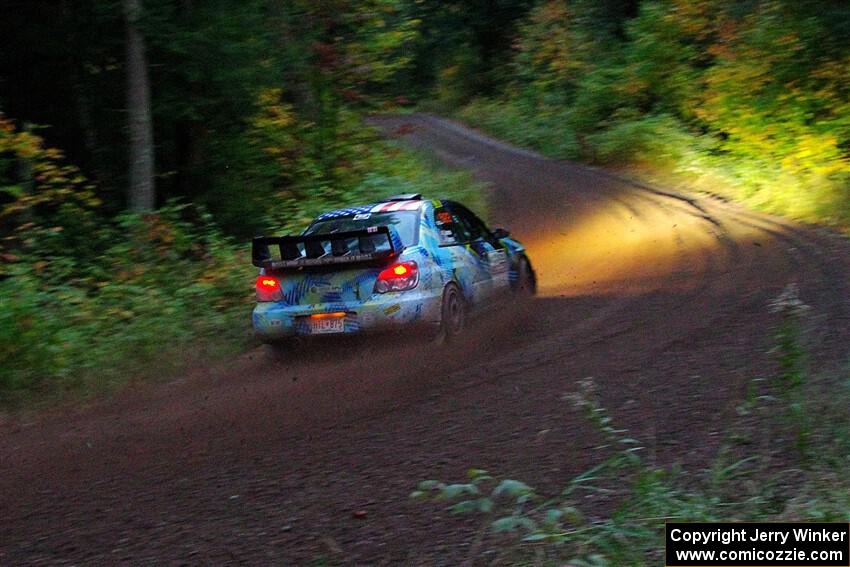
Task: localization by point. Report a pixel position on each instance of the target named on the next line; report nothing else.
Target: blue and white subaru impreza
(402, 262)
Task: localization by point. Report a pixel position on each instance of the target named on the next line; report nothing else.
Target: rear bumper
(390, 311)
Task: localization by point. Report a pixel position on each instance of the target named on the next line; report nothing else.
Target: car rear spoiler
(308, 250)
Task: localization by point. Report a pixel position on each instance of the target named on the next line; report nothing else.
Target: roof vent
(406, 197)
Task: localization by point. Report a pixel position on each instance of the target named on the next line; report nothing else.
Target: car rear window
(404, 222)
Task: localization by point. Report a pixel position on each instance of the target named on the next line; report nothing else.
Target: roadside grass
(784, 458)
(88, 305)
(658, 148)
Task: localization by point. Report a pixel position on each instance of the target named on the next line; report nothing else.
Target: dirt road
(662, 300)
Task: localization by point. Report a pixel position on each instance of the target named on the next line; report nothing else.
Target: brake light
(398, 277)
(268, 288)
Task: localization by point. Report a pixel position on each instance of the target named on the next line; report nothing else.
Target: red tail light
(268, 288)
(398, 277)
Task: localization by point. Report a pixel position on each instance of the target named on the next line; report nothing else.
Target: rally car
(403, 262)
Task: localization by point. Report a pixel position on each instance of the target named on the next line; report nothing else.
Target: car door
(490, 250)
(468, 267)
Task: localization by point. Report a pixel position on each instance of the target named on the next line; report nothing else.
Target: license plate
(319, 326)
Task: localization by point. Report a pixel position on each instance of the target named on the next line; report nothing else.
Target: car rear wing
(308, 250)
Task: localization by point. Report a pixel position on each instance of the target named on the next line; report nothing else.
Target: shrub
(660, 141)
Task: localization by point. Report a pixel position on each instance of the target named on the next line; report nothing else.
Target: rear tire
(526, 282)
(452, 315)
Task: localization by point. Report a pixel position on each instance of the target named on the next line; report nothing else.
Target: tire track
(661, 297)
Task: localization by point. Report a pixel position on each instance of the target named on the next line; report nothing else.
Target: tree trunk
(141, 195)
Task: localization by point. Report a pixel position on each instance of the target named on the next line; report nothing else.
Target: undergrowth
(88, 303)
(661, 149)
(784, 458)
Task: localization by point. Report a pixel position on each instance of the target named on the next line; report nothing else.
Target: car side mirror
(501, 233)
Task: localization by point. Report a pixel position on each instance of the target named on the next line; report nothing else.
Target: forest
(143, 142)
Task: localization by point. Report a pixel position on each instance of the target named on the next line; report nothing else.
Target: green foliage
(463, 49)
(749, 100)
(662, 61)
(34, 177)
(260, 99)
(395, 169)
(455, 83)
(380, 169)
(512, 121)
(549, 62)
(656, 140)
(156, 293)
(87, 303)
(258, 107)
(268, 112)
(250, 100)
(792, 364)
(258, 118)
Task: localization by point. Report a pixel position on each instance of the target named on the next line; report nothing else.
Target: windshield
(404, 223)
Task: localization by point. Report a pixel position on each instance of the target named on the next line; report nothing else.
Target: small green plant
(789, 385)
(557, 526)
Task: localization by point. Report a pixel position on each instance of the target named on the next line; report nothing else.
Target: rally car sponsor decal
(396, 206)
(392, 309)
